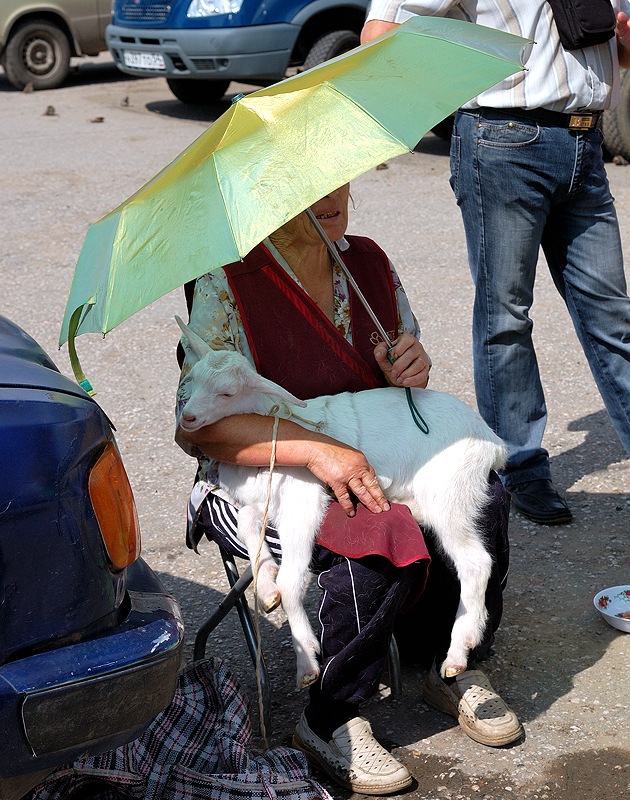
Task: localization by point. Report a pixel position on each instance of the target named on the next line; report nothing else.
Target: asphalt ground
(68, 157)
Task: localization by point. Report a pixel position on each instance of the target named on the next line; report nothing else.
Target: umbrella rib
(371, 116)
(225, 206)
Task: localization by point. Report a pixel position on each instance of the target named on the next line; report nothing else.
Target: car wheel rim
(39, 55)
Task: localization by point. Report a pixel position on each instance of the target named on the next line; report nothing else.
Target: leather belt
(575, 121)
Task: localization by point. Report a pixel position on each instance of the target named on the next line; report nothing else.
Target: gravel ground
(71, 155)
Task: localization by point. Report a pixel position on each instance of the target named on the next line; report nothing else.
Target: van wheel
(197, 92)
(331, 45)
(616, 122)
(38, 53)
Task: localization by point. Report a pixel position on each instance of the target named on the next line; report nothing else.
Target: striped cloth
(555, 79)
(197, 749)
(222, 516)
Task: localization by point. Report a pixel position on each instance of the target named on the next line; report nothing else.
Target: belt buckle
(583, 122)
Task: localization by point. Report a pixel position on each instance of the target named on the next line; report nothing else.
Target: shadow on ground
(82, 73)
(551, 641)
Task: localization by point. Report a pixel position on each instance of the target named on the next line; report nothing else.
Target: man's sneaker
(353, 758)
(480, 711)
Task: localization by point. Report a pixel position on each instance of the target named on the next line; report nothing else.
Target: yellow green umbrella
(274, 153)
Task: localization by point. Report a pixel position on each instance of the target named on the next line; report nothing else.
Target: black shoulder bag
(583, 23)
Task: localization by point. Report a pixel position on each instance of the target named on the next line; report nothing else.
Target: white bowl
(614, 606)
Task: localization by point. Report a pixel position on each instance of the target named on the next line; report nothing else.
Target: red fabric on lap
(393, 534)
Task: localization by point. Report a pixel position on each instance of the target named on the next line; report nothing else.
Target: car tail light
(115, 508)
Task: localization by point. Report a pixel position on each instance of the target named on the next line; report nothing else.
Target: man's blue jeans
(521, 186)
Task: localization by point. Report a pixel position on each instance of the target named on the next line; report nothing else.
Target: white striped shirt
(555, 78)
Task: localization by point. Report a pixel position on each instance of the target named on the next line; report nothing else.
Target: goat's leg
(473, 565)
(459, 538)
(292, 587)
(250, 520)
(292, 580)
(452, 492)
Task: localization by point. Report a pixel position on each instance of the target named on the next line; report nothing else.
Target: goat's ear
(193, 344)
(272, 389)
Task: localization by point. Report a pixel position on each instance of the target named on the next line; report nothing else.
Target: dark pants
(365, 600)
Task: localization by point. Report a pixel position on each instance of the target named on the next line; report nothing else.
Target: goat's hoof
(451, 672)
(308, 679)
(270, 603)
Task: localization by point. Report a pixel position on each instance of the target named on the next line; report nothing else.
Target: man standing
(527, 172)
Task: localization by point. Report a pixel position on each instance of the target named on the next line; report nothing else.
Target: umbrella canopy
(274, 153)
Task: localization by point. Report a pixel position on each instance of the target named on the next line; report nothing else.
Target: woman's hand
(347, 470)
(411, 363)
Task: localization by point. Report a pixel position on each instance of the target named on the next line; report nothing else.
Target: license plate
(144, 60)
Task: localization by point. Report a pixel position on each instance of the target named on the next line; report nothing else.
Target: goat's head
(224, 383)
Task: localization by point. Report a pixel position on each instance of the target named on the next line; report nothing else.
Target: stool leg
(236, 598)
(252, 643)
(393, 665)
(230, 600)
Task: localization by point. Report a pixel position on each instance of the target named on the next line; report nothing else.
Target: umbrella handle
(72, 350)
(415, 414)
(339, 261)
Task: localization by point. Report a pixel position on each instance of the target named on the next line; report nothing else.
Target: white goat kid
(441, 476)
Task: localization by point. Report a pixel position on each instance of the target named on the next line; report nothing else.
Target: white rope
(290, 414)
(255, 565)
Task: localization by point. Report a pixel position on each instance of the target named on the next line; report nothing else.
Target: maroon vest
(294, 343)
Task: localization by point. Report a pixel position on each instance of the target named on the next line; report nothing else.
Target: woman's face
(332, 214)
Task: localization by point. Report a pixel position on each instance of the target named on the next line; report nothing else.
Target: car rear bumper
(93, 695)
(255, 52)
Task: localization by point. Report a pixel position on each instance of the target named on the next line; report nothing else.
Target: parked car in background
(200, 46)
(90, 641)
(39, 37)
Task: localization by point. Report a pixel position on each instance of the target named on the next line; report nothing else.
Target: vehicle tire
(38, 53)
(616, 122)
(331, 45)
(197, 92)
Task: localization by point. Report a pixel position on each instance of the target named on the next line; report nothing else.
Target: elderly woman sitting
(287, 308)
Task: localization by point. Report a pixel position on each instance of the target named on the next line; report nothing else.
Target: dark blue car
(90, 641)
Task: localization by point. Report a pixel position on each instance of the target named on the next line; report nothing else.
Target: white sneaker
(353, 758)
(480, 711)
